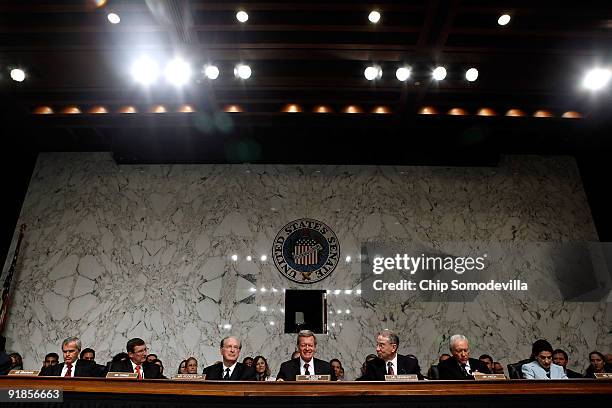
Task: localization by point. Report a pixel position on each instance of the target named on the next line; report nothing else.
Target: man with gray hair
(305, 363)
(389, 362)
(230, 369)
(73, 366)
(460, 366)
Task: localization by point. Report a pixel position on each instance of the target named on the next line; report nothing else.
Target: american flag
(6, 289)
(306, 252)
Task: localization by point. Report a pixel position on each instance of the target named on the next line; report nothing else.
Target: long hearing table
(98, 392)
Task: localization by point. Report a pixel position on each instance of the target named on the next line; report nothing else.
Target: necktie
(390, 368)
(69, 370)
(226, 376)
(306, 369)
(466, 369)
(138, 372)
(548, 374)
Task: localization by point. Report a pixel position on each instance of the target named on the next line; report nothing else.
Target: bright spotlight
(503, 19)
(471, 74)
(18, 75)
(596, 79)
(372, 72)
(113, 18)
(439, 73)
(242, 71)
(374, 17)
(145, 70)
(178, 72)
(211, 72)
(242, 16)
(402, 74)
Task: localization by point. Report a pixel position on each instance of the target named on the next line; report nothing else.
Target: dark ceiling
(309, 53)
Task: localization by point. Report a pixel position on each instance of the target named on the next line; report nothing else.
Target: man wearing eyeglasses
(137, 362)
(230, 369)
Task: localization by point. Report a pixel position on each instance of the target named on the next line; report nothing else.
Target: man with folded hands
(389, 362)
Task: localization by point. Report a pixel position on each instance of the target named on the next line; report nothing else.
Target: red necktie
(390, 365)
(138, 372)
(69, 370)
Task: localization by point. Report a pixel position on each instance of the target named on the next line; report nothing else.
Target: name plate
(190, 377)
(401, 377)
(603, 376)
(314, 377)
(24, 373)
(482, 376)
(122, 376)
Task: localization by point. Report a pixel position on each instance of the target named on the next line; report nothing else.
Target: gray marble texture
(114, 252)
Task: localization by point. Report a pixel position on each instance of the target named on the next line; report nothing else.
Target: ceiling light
(242, 71)
(98, 109)
(211, 72)
(178, 72)
(374, 17)
(292, 108)
(515, 113)
(232, 108)
(457, 112)
(572, 115)
(428, 110)
(372, 72)
(439, 73)
(145, 70)
(402, 74)
(18, 75)
(242, 16)
(471, 74)
(542, 114)
(43, 110)
(113, 18)
(352, 109)
(71, 110)
(503, 19)
(381, 110)
(322, 109)
(185, 109)
(486, 112)
(596, 79)
(128, 109)
(158, 109)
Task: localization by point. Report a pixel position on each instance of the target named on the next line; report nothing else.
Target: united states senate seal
(306, 250)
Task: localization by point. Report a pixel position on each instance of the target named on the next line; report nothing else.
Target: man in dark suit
(230, 369)
(305, 364)
(136, 362)
(560, 358)
(460, 366)
(73, 366)
(388, 361)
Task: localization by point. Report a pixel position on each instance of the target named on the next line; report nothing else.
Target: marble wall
(113, 252)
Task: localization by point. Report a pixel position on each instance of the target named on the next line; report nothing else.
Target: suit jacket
(151, 371)
(534, 371)
(572, 374)
(289, 369)
(241, 372)
(82, 368)
(376, 369)
(5, 363)
(450, 369)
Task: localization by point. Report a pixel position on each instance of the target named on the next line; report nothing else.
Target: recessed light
(242, 16)
(374, 17)
(504, 19)
(471, 74)
(113, 18)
